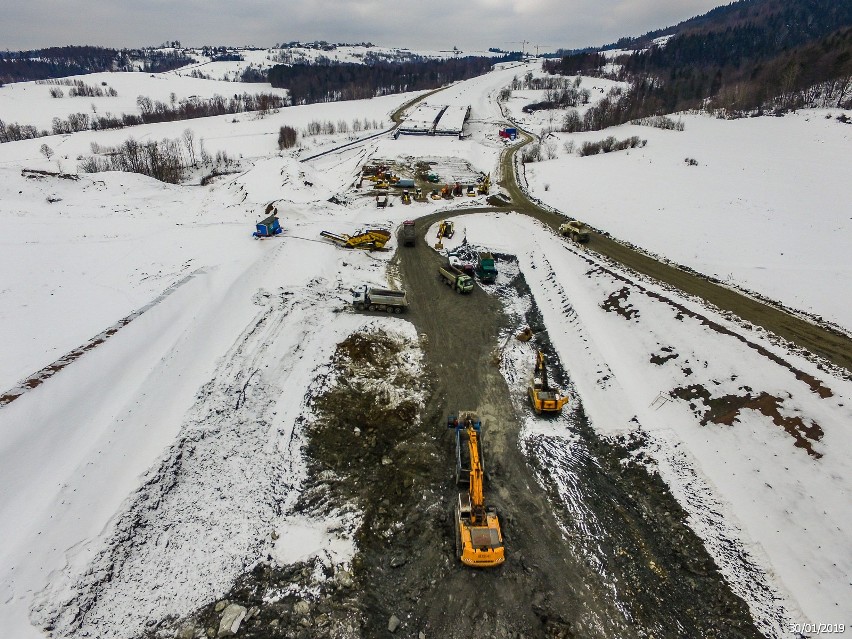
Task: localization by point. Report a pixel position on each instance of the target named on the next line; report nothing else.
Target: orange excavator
(479, 541)
(545, 399)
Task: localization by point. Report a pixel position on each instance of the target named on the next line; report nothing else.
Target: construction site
(422, 180)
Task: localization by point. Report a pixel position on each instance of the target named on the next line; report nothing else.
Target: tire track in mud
(650, 575)
(582, 465)
(541, 591)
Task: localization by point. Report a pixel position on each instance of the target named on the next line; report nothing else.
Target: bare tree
(46, 151)
(189, 143)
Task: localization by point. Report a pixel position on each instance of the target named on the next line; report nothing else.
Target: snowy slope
(767, 207)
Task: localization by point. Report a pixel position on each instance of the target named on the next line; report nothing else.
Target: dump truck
(382, 200)
(544, 398)
(455, 278)
(486, 270)
(372, 298)
(367, 239)
(575, 230)
(479, 539)
(408, 233)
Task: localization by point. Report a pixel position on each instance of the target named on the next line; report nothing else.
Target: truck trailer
(371, 298)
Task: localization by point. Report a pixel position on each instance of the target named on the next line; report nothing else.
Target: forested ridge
(750, 55)
(60, 62)
(348, 81)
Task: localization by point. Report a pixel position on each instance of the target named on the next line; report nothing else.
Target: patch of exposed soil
(615, 303)
(726, 409)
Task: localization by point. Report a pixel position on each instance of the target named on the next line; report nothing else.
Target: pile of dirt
(365, 450)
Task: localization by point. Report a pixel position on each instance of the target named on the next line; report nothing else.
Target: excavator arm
(477, 496)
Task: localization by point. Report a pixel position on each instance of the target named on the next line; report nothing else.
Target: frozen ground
(126, 458)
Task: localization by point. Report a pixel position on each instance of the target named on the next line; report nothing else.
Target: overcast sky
(421, 24)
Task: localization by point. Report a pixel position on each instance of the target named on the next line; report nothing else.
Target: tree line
(60, 62)
(348, 81)
(151, 111)
(739, 70)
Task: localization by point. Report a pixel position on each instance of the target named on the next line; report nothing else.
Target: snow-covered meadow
(141, 431)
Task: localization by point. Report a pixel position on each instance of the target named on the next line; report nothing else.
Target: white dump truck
(371, 298)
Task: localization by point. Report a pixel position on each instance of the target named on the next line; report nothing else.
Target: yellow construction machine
(366, 239)
(479, 540)
(545, 399)
(484, 185)
(446, 229)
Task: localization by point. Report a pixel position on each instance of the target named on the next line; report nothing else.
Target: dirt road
(821, 340)
(546, 588)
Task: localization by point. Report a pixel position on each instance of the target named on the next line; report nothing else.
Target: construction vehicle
(455, 278)
(382, 184)
(435, 194)
(371, 298)
(419, 195)
(470, 191)
(446, 229)
(509, 133)
(408, 233)
(576, 230)
(484, 185)
(382, 200)
(406, 197)
(457, 190)
(479, 540)
(366, 239)
(485, 270)
(545, 399)
(446, 192)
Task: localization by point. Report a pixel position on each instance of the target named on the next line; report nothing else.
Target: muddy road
(820, 339)
(657, 578)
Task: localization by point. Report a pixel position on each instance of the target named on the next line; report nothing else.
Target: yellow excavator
(479, 540)
(366, 239)
(545, 399)
(446, 229)
(483, 187)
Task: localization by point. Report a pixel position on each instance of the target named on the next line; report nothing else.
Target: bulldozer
(367, 239)
(479, 540)
(545, 399)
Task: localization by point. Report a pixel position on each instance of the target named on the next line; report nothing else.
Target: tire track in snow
(204, 512)
(39, 377)
(723, 540)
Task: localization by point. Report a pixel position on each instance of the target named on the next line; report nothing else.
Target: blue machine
(269, 227)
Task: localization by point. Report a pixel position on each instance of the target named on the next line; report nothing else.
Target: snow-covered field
(767, 208)
(124, 478)
(266, 58)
